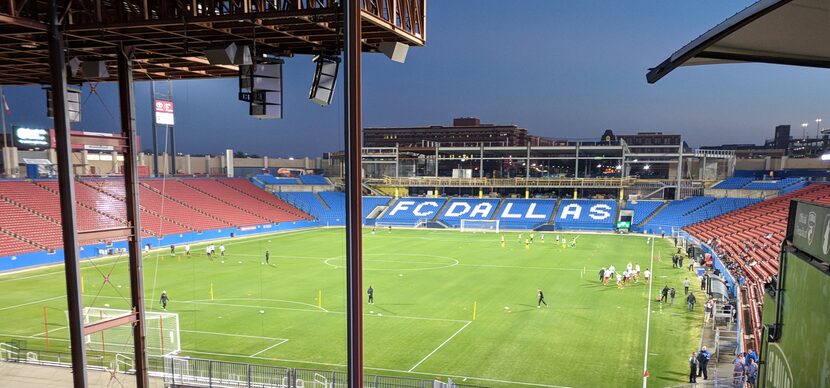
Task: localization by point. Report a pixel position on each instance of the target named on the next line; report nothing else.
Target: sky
(563, 69)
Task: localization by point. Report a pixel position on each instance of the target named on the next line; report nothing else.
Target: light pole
(804, 131)
(818, 123)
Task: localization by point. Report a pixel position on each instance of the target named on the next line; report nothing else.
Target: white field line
(28, 303)
(439, 346)
(520, 267)
(233, 335)
(648, 315)
(341, 365)
(268, 348)
(41, 334)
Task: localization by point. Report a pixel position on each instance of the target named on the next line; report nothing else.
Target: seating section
(586, 214)
(732, 183)
(271, 180)
(314, 180)
(672, 215)
(336, 202)
(30, 211)
(525, 213)
(468, 208)
(370, 203)
(408, 211)
(642, 209)
(749, 241)
(312, 204)
(774, 185)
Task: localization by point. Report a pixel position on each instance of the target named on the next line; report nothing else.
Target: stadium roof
(786, 32)
(170, 36)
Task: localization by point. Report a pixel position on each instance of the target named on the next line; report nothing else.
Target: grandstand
(599, 214)
(525, 213)
(468, 208)
(409, 211)
(684, 212)
(642, 209)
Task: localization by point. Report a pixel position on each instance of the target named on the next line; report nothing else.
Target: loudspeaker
(74, 66)
(73, 104)
(264, 89)
(221, 54)
(396, 51)
(94, 69)
(325, 78)
(243, 56)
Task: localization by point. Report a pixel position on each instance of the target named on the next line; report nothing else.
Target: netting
(479, 226)
(162, 332)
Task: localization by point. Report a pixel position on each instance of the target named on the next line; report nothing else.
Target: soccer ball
(372, 312)
(401, 275)
(380, 315)
(507, 307)
(262, 311)
(106, 305)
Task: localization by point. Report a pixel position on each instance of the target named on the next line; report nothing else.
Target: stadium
(416, 255)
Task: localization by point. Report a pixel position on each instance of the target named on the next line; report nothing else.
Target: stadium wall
(34, 259)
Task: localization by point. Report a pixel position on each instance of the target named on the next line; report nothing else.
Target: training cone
(645, 374)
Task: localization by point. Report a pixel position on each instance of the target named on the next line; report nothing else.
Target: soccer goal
(162, 332)
(479, 226)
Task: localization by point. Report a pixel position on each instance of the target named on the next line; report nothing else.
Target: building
(465, 131)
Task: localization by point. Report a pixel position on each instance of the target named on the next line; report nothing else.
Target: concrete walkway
(21, 375)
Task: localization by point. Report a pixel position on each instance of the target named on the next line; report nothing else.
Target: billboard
(164, 112)
(31, 138)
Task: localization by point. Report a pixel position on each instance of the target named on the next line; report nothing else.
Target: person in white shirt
(637, 273)
(187, 249)
(619, 281)
(647, 275)
(222, 250)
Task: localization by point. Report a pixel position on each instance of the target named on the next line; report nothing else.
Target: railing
(504, 182)
(196, 372)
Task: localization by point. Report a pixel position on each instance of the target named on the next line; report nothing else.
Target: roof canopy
(787, 32)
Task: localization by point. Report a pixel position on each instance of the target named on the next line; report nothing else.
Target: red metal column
(128, 130)
(66, 188)
(354, 238)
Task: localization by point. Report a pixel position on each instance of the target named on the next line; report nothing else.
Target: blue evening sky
(565, 69)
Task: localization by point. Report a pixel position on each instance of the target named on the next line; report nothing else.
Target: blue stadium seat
(732, 183)
(407, 211)
(642, 209)
(370, 203)
(311, 204)
(468, 209)
(692, 210)
(525, 213)
(774, 185)
(271, 180)
(314, 180)
(586, 214)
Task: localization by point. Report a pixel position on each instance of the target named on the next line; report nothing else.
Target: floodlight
(325, 78)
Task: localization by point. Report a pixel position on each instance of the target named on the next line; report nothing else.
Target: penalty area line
(268, 348)
(439, 346)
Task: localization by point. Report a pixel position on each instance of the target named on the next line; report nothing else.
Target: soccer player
(208, 251)
(629, 267)
(601, 274)
(542, 237)
(527, 243)
(647, 275)
(373, 230)
(619, 281)
(664, 293)
(637, 273)
(172, 250)
(531, 237)
(686, 284)
(267, 256)
(520, 237)
(541, 299)
(502, 239)
(222, 250)
(390, 229)
(611, 269)
(371, 292)
(164, 299)
(187, 249)
(557, 238)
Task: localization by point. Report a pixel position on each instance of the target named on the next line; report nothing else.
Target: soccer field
(428, 287)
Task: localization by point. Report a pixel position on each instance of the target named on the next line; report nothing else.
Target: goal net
(479, 226)
(162, 332)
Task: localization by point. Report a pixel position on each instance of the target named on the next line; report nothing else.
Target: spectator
(738, 370)
(703, 361)
(693, 368)
(691, 301)
(752, 372)
(672, 294)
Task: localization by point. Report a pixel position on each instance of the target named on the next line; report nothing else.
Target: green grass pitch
(426, 286)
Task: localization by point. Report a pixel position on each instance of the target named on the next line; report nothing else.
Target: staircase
(658, 210)
(24, 239)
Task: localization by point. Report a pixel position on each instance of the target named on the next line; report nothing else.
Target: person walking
(690, 300)
(671, 294)
(693, 368)
(541, 299)
(164, 300)
(371, 292)
(686, 284)
(680, 261)
(664, 293)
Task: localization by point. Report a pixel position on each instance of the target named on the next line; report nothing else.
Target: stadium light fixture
(325, 78)
(647, 167)
(804, 131)
(825, 157)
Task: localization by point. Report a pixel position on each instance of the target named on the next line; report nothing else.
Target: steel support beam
(66, 189)
(354, 158)
(153, 126)
(126, 104)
